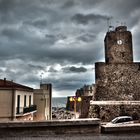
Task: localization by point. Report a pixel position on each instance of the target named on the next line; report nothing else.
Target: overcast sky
(60, 39)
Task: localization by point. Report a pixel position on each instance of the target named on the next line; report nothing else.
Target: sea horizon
(59, 101)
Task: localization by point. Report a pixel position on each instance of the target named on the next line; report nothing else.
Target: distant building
(86, 90)
(16, 101)
(42, 98)
(86, 93)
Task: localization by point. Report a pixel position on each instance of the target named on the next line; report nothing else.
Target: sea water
(59, 101)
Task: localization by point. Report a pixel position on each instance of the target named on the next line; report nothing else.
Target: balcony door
(18, 104)
(30, 100)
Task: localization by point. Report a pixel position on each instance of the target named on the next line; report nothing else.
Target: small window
(123, 54)
(24, 100)
(30, 100)
(90, 89)
(139, 67)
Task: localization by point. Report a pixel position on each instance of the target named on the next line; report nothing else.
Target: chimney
(4, 81)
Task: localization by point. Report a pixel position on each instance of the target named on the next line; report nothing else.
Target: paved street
(79, 137)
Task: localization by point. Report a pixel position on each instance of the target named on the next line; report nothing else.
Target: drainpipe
(50, 96)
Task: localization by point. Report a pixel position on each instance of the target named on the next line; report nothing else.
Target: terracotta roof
(10, 84)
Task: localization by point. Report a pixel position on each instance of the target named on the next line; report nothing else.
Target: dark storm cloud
(36, 67)
(74, 69)
(85, 19)
(40, 23)
(87, 37)
(1, 70)
(38, 35)
(68, 81)
(74, 55)
(51, 38)
(12, 34)
(51, 69)
(68, 4)
(5, 5)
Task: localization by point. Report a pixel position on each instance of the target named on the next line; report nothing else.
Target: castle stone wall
(117, 81)
(118, 78)
(108, 112)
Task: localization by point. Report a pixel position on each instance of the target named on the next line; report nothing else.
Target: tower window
(139, 67)
(123, 54)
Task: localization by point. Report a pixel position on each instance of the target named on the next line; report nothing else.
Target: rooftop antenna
(109, 26)
(117, 23)
(124, 23)
(41, 78)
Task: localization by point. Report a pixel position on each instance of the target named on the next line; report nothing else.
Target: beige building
(42, 98)
(16, 101)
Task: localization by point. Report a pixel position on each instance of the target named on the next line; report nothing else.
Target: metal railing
(23, 110)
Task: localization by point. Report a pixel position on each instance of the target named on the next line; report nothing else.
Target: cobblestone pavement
(79, 137)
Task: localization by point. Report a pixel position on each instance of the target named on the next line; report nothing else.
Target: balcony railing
(23, 110)
(29, 109)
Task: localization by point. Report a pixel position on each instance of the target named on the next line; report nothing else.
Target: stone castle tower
(117, 79)
(118, 46)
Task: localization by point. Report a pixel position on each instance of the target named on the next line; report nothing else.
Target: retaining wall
(34, 128)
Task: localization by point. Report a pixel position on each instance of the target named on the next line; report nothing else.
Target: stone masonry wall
(117, 81)
(108, 112)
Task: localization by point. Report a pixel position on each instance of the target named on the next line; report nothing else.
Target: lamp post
(75, 99)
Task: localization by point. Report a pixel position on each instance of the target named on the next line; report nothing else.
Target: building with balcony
(16, 101)
(42, 98)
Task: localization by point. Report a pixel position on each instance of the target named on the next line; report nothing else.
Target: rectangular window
(30, 100)
(90, 89)
(18, 104)
(24, 100)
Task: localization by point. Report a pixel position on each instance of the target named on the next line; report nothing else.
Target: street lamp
(75, 99)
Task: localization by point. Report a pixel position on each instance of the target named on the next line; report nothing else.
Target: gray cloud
(36, 67)
(85, 19)
(12, 34)
(81, 69)
(87, 37)
(52, 70)
(75, 69)
(68, 4)
(59, 38)
(39, 23)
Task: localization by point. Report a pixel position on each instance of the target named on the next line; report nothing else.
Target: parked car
(121, 120)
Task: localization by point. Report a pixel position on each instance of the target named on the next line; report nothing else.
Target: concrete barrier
(40, 128)
(125, 128)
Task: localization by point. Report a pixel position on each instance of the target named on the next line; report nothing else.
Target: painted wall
(5, 105)
(42, 98)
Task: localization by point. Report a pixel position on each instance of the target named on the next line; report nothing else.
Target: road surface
(78, 137)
